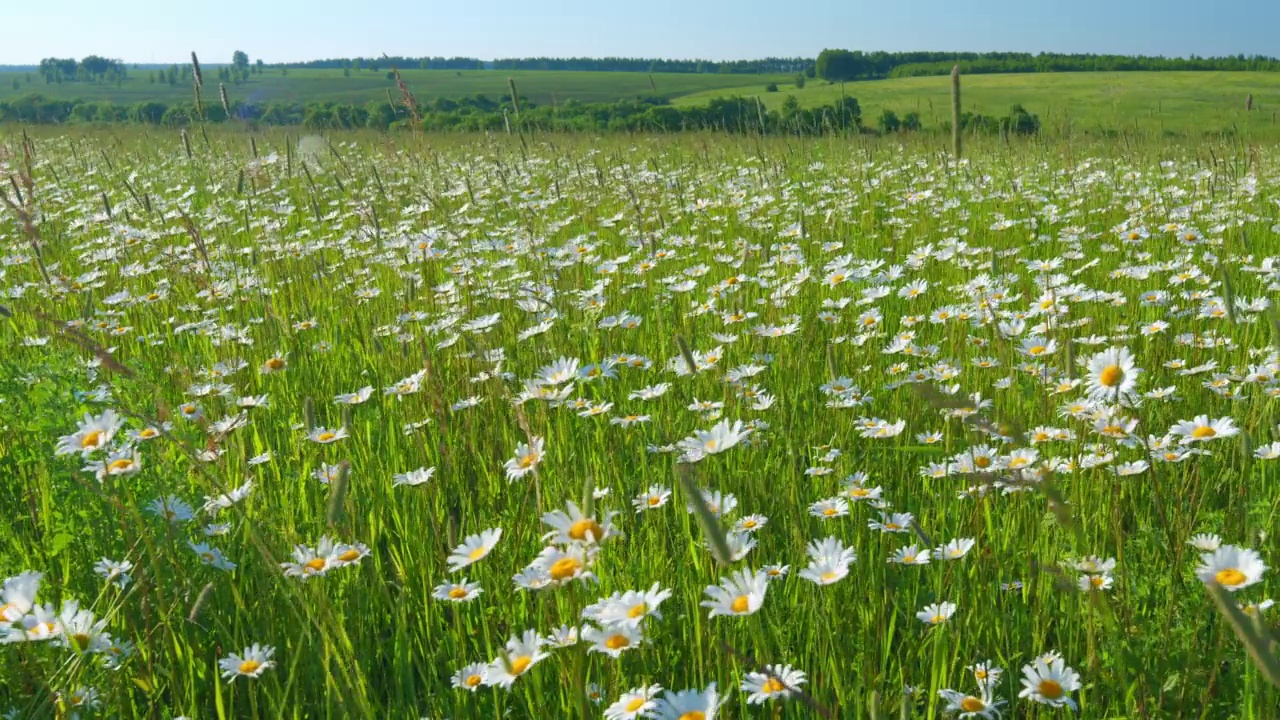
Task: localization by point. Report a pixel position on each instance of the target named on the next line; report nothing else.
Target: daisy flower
(777, 682)
(937, 613)
(741, 593)
(251, 662)
(527, 457)
(470, 677)
(635, 703)
(474, 548)
(1049, 682)
(1202, 429)
(688, 704)
(461, 591)
(1231, 567)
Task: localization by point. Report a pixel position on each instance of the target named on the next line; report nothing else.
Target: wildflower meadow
(695, 427)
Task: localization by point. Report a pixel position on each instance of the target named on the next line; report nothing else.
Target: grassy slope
(542, 87)
(1154, 101)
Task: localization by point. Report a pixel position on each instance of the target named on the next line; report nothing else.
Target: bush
(800, 81)
(771, 87)
(889, 122)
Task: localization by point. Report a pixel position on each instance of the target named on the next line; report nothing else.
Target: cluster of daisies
(939, 313)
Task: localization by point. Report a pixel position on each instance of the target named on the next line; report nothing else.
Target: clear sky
(145, 31)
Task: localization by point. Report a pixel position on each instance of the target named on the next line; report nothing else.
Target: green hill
(1149, 100)
(542, 87)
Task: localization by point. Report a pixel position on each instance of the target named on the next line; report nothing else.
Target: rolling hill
(1175, 101)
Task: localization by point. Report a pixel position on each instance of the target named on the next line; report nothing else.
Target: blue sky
(278, 30)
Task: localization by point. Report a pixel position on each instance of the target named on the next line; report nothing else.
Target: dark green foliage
(889, 122)
(771, 87)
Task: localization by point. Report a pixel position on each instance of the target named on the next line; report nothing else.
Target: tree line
(90, 68)
(844, 65)
(585, 64)
(482, 113)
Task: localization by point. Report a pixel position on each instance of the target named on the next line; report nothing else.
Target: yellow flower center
(829, 575)
(1202, 432)
(81, 641)
(457, 593)
(616, 642)
(1230, 577)
(859, 492)
(565, 568)
(693, 715)
(637, 610)
(148, 433)
(654, 500)
(315, 564)
(325, 436)
(772, 685)
(478, 553)
(972, 704)
(527, 461)
(520, 664)
(473, 680)
(936, 619)
(248, 667)
(121, 465)
(909, 558)
(635, 704)
(1037, 349)
(892, 526)
(1111, 375)
(980, 675)
(92, 438)
(350, 555)
(275, 363)
(982, 462)
(579, 530)
(1050, 689)
(740, 604)
(829, 512)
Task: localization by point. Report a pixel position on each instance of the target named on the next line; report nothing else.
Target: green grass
(370, 264)
(303, 86)
(1175, 101)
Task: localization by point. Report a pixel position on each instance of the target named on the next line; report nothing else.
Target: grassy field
(695, 428)
(543, 87)
(1082, 101)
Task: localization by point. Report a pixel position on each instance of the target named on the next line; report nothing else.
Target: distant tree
(16, 84)
(771, 87)
(911, 121)
(148, 112)
(346, 71)
(96, 65)
(889, 122)
(799, 81)
(790, 106)
(358, 63)
(1021, 122)
(838, 65)
(240, 61)
(258, 64)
